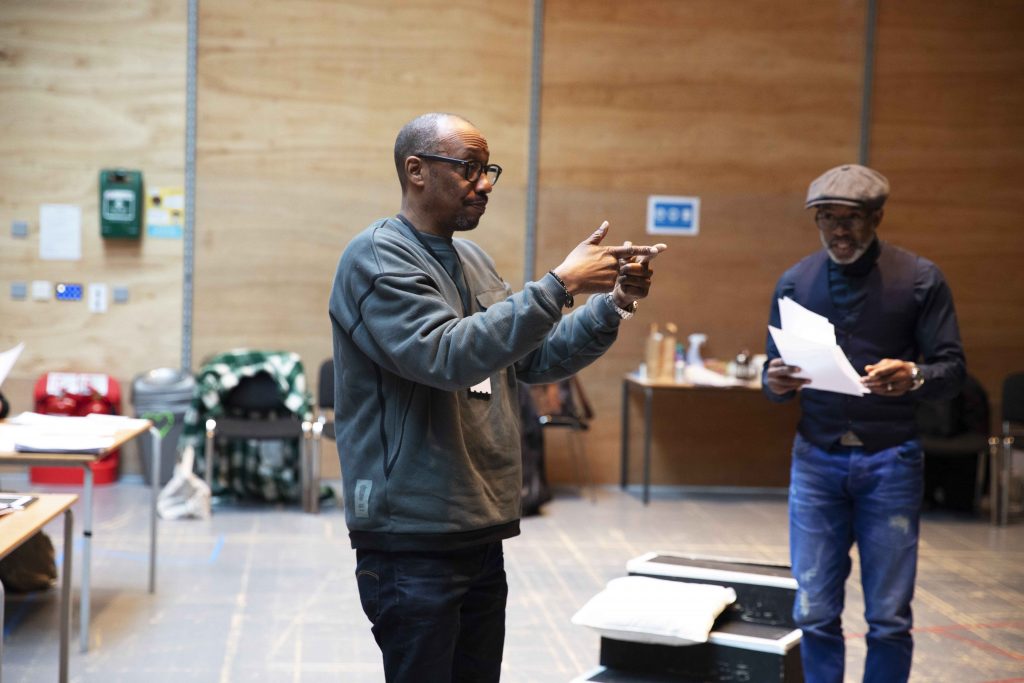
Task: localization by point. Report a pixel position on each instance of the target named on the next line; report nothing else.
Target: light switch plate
(98, 297)
(19, 228)
(120, 294)
(42, 290)
(19, 290)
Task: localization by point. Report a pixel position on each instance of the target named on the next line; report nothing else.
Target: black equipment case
(754, 640)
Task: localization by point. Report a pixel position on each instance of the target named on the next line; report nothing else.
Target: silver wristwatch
(916, 377)
(624, 313)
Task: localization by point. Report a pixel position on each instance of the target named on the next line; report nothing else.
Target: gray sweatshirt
(428, 463)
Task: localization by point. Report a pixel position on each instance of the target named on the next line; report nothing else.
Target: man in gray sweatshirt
(429, 342)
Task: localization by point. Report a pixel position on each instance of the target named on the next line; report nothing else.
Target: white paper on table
(825, 365)
(8, 435)
(33, 442)
(701, 376)
(35, 432)
(65, 425)
(60, 232)
(7, 360)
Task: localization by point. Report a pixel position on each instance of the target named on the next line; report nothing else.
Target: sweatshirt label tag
(363, 488)
(481, 390)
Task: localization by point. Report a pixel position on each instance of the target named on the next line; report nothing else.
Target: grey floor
(267, 594)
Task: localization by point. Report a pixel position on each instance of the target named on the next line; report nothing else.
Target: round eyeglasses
(471, 170)
(829, 221)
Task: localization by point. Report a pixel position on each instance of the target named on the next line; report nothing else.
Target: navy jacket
(888, 304)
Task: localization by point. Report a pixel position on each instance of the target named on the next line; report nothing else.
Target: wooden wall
(948, 130)
(738, 103)
(299, 102)
(85, 86)
(324, 87)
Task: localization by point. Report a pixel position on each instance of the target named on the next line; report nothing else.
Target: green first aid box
(121, 203)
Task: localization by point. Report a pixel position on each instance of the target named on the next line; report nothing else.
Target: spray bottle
(693, 356)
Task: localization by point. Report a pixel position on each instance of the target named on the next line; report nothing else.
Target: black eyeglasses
(830, 221)
(471, 170)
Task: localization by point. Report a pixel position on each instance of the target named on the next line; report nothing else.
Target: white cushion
(645, 610)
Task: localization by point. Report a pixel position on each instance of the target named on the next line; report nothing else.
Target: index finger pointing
(627, 250)
(647, 259)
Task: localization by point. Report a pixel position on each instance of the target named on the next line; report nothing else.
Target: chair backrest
(325, 385)
(965, 413)
(1013, 398)
(563, 401)
(258, 393)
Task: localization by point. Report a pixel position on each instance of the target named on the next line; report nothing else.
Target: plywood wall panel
(948, 132)
(85, 86)
(300, 105)
(741, 104)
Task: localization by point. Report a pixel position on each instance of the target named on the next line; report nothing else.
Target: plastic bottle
(652, 354)
(668, 351)
(679, 365)
(693, 356)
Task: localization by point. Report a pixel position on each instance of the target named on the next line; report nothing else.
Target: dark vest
(882, 328)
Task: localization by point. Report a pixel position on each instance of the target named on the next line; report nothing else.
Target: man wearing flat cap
(857, 467)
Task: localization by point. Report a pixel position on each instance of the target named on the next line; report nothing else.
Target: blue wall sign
(668, 215)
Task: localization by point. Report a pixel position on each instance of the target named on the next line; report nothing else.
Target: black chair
(565, 405)
(323, 428)
(253, 410)
(955, 440)
(1013, 426)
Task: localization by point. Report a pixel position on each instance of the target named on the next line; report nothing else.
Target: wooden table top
(17, 527)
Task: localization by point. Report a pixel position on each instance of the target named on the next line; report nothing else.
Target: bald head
(421, 135)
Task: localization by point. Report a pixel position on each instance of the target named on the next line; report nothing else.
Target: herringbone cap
(851, 185)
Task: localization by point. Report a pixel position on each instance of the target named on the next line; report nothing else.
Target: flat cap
(851, 185)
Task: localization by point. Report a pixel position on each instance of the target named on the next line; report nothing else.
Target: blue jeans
(438, 617)
(835, 500)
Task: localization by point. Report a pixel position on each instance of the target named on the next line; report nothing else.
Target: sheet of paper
(701, 376)
(63, 425)
(801, 322)
(34, 432)
(60, 232)
(31, 442)
(7, 360)
(825, 365)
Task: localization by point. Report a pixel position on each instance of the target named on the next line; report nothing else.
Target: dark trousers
(438, 617)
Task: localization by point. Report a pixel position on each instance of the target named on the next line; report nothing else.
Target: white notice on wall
(60, 232)
(98, 297)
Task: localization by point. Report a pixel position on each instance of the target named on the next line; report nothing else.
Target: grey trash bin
(162, 395)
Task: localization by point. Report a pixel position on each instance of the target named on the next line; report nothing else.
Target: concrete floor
(268, 594)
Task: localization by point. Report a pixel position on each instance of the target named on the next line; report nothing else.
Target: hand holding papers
(808, 340)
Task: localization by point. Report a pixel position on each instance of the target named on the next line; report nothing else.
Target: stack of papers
(808, 341)
(37, 433)
(700, 376)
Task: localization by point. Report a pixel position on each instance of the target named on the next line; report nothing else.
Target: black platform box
(764, 592)
(753, 640)
(736, 651)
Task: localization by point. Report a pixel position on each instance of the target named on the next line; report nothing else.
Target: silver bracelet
(625, 314)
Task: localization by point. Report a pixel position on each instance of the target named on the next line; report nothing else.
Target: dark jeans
(873, 499)
(438, 617)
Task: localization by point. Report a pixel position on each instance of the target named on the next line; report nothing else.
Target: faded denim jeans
(874, 500)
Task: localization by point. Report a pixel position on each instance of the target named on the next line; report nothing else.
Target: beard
(463, 223)
(858, 250)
